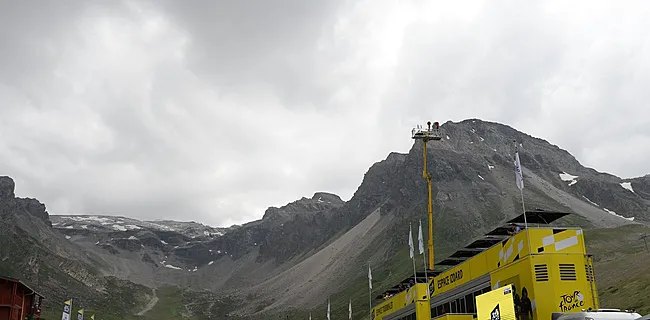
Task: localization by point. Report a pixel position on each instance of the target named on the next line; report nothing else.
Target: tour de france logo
(571, 301)
(495, 314)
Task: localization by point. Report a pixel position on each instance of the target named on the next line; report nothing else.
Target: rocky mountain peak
(321, 201)
(7, 186)
(24, 205)
(493, 142)
(328, 198)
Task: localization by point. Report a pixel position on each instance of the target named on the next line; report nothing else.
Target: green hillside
(621, 263)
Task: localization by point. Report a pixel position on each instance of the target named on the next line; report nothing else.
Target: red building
(18, 301)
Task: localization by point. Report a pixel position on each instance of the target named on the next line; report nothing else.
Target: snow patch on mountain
(123, 224)
(627, 185)
(569, 178)
(595, 204)
(618, 215)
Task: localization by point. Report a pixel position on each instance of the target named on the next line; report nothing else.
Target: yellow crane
(432, 132)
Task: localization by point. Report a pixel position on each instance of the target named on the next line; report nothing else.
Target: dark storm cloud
(214, 110)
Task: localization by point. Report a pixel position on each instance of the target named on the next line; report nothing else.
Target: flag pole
(424, 256)
(520, 181)
(412, 253)
(369, 289)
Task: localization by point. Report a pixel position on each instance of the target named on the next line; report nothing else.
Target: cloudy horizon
(215, 111)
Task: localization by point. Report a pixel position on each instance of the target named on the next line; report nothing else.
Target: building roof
(21, 283)
(499, 234)
(539, 216)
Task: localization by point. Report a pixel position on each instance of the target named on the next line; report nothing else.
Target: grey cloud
(142, 135)
(493, 65)
(273, 42)
(578, 82)
(214, 110)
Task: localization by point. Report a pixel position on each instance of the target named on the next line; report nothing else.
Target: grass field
(622, 263)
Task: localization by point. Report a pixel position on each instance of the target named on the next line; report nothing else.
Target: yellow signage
(414, 294)
(497, 304)
(450, 279)
(395, 303)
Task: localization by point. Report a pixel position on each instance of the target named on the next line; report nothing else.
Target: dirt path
(149, 305)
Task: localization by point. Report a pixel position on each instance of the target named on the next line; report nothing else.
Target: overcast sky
(214, 110)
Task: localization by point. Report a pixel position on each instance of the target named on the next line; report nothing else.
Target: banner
(518, 173)
(67, 309)
(328, 309)
(369, 277)
(420, 239)
(410, 242)
(350, 310)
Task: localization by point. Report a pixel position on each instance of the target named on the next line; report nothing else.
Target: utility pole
(644, 236)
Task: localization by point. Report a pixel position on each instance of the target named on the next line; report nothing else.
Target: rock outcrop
(7, 186)
(321, 201)
(25, 205)
(37, 254)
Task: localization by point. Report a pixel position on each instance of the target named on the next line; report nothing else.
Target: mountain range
(296, 256)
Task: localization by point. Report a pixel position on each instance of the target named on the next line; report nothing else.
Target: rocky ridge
(110, 224)
(28, 205)
(324, 236)
(31, 250)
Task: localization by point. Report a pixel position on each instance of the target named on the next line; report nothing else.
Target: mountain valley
(296, 256)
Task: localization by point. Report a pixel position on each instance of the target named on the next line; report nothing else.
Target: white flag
(420, 239)
(519, 175)
(310, 316)
(328, 309)
(350, 310)
(410, 241)
(369, 278)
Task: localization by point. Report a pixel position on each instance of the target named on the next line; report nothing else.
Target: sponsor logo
(571, 301)
(385, 308)
(450, 279)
